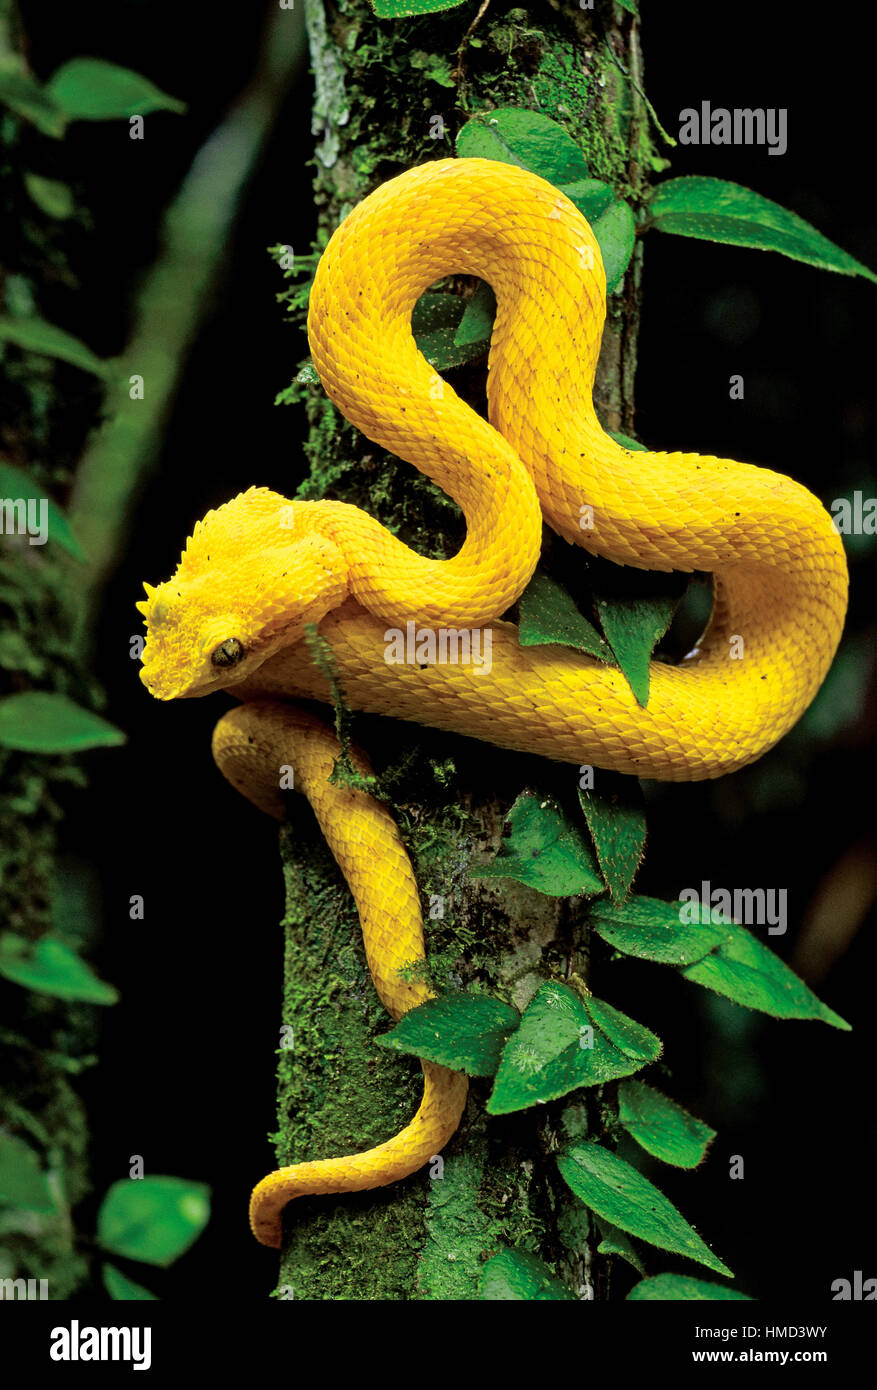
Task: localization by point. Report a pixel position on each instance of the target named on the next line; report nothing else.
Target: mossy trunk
(378, 84)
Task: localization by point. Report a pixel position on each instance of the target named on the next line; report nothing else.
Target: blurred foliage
(47, 700)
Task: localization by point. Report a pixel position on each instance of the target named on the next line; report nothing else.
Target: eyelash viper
(257, 571)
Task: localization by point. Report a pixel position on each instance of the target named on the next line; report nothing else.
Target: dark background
(187, 1060)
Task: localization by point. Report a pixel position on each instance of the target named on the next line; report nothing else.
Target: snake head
(253, 574)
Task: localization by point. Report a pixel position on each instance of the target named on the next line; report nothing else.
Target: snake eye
(228, 653)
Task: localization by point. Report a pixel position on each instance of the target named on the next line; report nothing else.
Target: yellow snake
(258, 570)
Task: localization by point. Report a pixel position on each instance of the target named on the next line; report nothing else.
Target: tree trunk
(378, 83)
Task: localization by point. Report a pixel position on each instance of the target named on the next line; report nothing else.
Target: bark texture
(378, 83)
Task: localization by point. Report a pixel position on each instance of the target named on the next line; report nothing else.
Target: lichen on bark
(378, 84)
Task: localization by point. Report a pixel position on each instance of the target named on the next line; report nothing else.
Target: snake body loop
(257, 571)
(249, 744)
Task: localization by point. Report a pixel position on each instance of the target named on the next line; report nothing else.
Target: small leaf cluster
(153, 1220)
(45, 721)
(567, 1039)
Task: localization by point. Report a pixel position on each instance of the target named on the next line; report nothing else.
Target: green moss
(338, 1092)
(460, 1233)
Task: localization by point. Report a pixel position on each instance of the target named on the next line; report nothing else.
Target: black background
(187, 1071)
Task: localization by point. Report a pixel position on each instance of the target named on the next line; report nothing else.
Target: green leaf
(91, 89)
(34, 334)
(615, 230)
(615, 812)
(466, 1032)
(24, 95)
(563, 1043)
(651, 929)
(629, 1038)
(22, 1180)
(625, 440)
(404, 9)
(435, 323)
(716, 210)
(50, 195)
(633, 627)
(744, 970)
(119, 1286)
(543, 848)
(667, 1288)
(591, 196)
(39, 721)
(476, 325)
(525, 138)
(662, 1127)
(153, 1219)
(51, 967)
(629, 5)
(517, 1275)
(616, 1191)
(14, 484)
(615, 1242)
(547, 616)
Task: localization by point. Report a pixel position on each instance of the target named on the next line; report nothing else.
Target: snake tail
(252, 744)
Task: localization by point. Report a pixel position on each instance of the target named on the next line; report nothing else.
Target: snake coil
(257, 571)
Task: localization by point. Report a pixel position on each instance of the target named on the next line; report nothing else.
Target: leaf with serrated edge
(651, 929)
(409, 9)
(544, 849)
(466, 1032)
(516, 1275)
(548, 1056)
(662, 1127)
(667, 1288)
(747, 972)
(616, 1191)
(614, 810)
(548, 616)
(718, 210)
(525, 138)
(633, 627)
(628, 1037)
